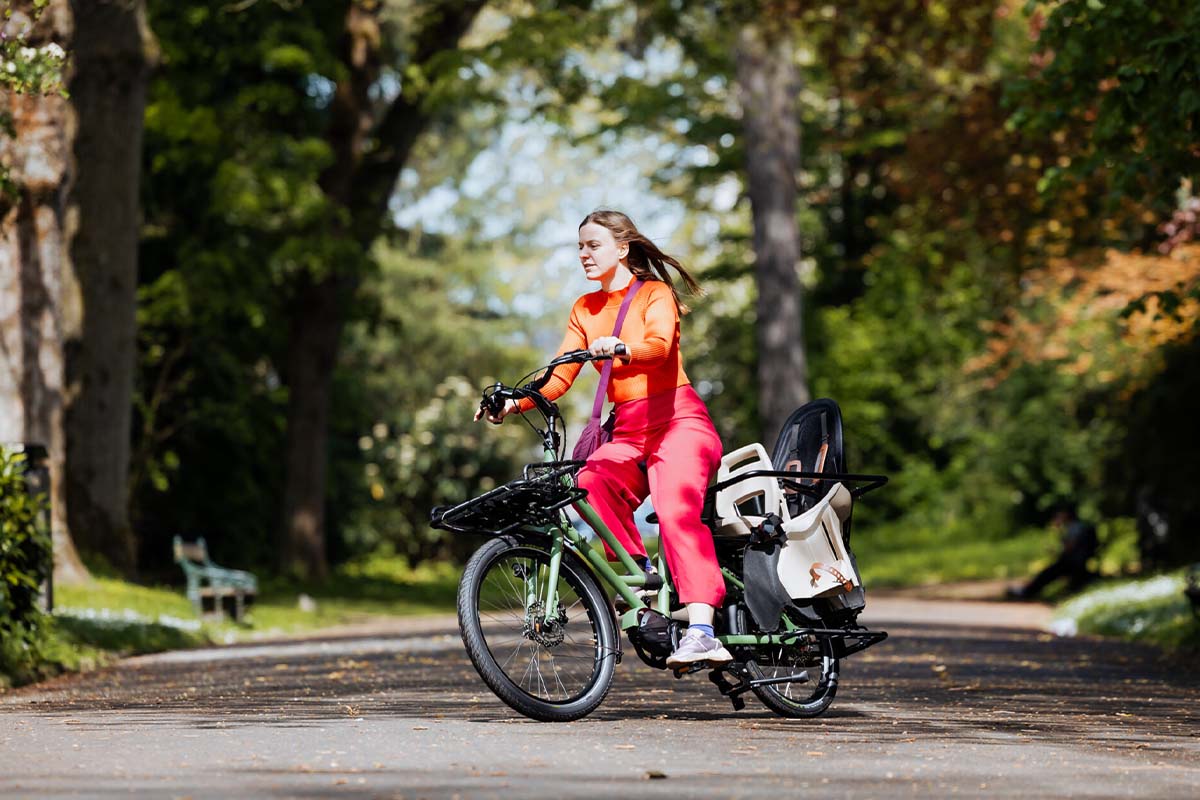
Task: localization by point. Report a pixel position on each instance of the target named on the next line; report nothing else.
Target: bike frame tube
(605, 572)
(592, 518)
(664, 594)
(556, 551)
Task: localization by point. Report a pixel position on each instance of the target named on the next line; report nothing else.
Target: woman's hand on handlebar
(510, 407)
(608, 346)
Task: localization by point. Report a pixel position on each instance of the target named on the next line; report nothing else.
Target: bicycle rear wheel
(553, 665)
(813, 655)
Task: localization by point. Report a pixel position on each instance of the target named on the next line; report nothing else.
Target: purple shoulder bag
(596, 434)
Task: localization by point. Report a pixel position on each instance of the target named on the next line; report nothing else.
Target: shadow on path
(934, 683)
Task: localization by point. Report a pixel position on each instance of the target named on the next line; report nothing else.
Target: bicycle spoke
(552, 661)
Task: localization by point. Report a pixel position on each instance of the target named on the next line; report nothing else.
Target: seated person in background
(1079, 544)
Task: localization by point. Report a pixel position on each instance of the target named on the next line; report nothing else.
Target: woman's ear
(622, 249)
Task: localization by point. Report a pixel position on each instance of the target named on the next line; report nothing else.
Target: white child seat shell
(813, 562)
(760, 493)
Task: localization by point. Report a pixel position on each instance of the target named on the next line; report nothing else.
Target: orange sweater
(650, 331)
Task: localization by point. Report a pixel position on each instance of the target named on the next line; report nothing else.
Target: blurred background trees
(970, 223)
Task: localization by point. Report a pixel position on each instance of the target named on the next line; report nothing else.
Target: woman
(664, 443)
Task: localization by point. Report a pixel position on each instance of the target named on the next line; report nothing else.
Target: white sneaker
(698, 646)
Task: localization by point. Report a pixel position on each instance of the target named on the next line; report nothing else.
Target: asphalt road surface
(967, 699)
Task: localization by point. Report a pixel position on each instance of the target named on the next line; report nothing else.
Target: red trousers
(672, 434)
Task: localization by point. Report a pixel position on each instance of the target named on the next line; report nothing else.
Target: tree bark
(111, 58)
(36, 279)
(312, 356)
(768, 84)
(369, 152)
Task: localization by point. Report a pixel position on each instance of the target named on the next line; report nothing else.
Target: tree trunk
(111, 57)
(36, 279)
(360, 181)
(312, 355)
(768, 84)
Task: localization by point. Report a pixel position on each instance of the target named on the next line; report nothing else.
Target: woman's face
(599, 252)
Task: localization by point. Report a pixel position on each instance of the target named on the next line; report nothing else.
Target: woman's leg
(679, 467)
(616, 486)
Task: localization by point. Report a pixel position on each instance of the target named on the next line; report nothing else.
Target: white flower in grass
(54, 51)
(28, 53)
(1064, 627)
(169, 621)
(11, 67)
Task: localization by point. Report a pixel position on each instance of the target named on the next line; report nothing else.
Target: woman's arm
(661, 328)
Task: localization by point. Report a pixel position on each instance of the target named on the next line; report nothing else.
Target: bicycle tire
(527, 691)
(762, 663)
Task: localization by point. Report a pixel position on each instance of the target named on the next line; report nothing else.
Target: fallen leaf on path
(654, 775)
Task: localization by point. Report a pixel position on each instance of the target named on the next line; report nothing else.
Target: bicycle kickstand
(733, 691)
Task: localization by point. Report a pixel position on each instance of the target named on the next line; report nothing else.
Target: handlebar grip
(494, 402)
(622, 350)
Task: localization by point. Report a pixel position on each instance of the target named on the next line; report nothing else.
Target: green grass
(896, 556)
(1152, 610)
(117, 615)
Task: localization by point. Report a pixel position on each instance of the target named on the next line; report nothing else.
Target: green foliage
(30, 653)
(237, 126)
(1125, 74)
(922, 223)
(235, 122)
(29, 649)
(24, 546)
(415, 445)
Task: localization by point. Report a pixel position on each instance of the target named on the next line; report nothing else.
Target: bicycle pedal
(688, 669)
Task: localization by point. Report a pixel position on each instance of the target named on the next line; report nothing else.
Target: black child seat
(811, 440)
(796, 532)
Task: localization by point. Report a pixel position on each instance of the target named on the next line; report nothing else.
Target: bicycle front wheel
(553, 665)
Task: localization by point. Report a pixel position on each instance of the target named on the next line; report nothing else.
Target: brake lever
(493, 403)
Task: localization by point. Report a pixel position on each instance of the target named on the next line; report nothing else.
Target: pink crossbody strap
(606, 370)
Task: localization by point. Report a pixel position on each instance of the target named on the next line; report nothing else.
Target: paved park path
(967, 698)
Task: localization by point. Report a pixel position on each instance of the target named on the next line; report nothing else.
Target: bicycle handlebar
(493, 402)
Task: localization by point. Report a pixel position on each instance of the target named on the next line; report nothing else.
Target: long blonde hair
(646, 261)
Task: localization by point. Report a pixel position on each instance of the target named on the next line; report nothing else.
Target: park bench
(206, 581)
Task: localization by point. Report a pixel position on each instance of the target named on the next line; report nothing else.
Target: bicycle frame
(625, 583)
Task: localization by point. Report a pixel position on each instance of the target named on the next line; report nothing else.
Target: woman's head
(609, 238)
